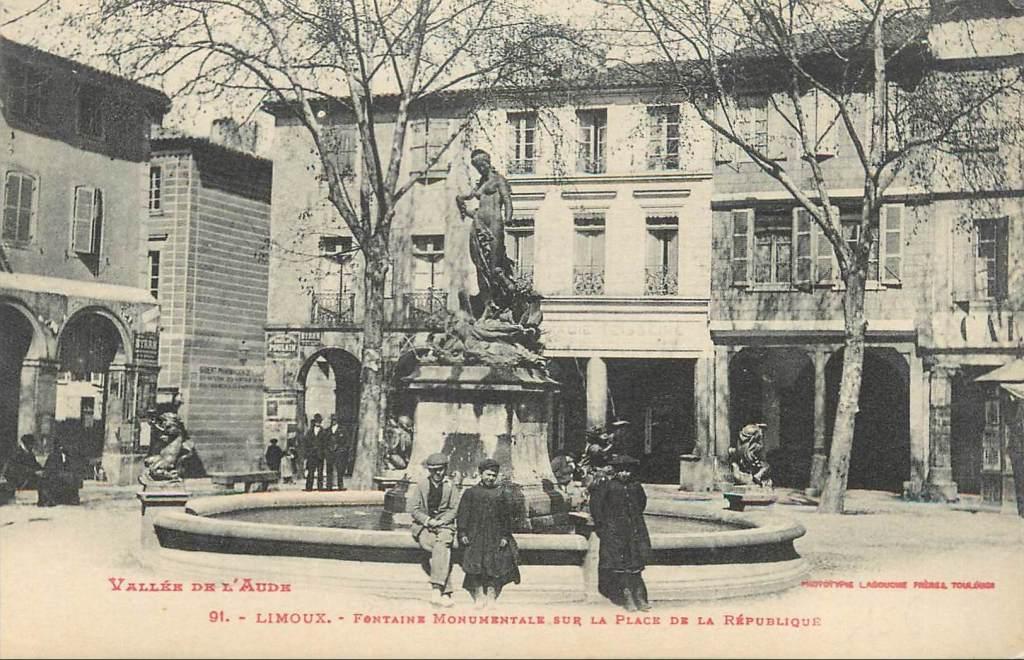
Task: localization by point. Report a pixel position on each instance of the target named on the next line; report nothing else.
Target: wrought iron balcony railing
(661, 281)
(524, 275)
(424, 308)
(522, 166)
(588, 280)
(591, 165)
(333, 309)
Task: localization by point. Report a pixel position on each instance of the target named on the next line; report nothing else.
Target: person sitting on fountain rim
(433, 504)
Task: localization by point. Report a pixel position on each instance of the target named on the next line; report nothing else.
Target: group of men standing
(325, 450)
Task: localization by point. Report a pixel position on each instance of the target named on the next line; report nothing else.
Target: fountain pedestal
(473, 412)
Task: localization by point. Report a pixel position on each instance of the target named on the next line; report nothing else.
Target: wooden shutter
(417, 145)
(824, 258)
(742, 246)
(83, 231)
(725, 150)
(437, 140)
(891, 244)
(803, 259)
(1002, 258)
(779, 131)
(963, 256)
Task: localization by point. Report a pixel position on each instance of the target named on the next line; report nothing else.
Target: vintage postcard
(483, 328)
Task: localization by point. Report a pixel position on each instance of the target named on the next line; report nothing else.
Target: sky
(38, 22)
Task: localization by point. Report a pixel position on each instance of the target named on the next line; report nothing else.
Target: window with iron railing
(333, 300)
(662, 269)
(588, 256)
(522, 128)
(519, 245)
(663, 137)
(427, 307)
(333, 309)
(593, 127)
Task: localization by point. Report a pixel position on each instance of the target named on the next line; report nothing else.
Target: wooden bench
(253, 481)
(385, 483)
(739, 501)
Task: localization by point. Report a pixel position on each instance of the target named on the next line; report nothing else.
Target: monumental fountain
(481, 389)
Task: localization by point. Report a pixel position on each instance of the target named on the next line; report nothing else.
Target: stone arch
(880, 458)
(775, 386)
(90, 411)
(26, 374)
(43, 344)
(337, 368)
(124, 353)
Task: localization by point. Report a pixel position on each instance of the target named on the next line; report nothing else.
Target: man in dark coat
(334, 455)
(313, 447)
(60, 483)
(22, 468)
(490, 556)
(617, 507)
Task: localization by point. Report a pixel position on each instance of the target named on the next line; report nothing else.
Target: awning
(1016, 390)
(1011, 372)
(75, 288)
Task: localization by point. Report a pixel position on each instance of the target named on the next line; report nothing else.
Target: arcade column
(721, 422)
(37, 402)
(940, 484)
(919, 427)
(120, 460)
(597, 392)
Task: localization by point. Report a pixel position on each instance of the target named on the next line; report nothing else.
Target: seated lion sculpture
(170, 447)
(747, 460)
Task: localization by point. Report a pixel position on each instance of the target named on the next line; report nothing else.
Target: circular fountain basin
(337, 536)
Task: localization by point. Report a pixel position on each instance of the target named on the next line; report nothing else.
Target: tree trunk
(371, 393)
(834, 491)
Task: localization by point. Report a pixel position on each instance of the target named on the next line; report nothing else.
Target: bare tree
(315, 56)
(871, 68)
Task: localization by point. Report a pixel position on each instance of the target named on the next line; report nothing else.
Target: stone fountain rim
(751, 529)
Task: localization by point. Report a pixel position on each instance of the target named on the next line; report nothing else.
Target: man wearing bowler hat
(433, 504)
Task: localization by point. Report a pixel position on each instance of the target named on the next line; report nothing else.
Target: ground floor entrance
(655, 396)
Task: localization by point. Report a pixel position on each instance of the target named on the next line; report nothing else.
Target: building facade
(611, 223)
(684, 291)
(207, 238)
(77, 323)
(943, 299)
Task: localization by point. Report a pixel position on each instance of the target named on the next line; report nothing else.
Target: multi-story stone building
(76, 321)
(611, 222)
(207, 232)
(683, 289)
(943, 302)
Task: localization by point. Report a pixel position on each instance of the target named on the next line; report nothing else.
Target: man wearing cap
(433, 504)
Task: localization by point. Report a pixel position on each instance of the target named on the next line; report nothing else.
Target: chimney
(229, 133)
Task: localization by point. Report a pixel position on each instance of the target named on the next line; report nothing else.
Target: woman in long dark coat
(490, 556)
(617, 507)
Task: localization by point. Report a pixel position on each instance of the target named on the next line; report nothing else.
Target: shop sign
(310, 338)
(279, 346)
(147, 348)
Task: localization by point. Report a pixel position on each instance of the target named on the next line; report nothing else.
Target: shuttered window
(742, 245)
(890, 236)
(87, 227)
(19, 206)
